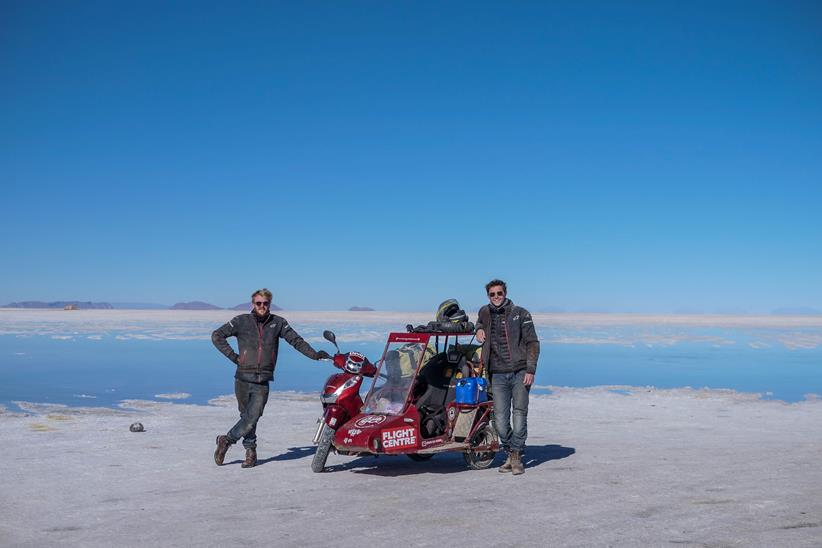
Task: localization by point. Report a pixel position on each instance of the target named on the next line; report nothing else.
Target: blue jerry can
(471, 391)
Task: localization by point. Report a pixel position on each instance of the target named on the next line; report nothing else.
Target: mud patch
(67, 529)
(803, 525)
(713, 501)
(648, 512)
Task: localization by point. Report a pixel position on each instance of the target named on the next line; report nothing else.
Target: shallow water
(103, 369)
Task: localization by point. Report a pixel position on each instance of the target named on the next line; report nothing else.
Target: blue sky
(636, 156)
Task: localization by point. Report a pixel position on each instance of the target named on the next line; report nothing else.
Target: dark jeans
(509, 391)
(251, 399)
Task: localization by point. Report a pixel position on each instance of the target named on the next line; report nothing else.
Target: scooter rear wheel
(480, 460)
(323, 447)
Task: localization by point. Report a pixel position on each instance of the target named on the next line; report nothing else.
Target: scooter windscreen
(397, 372)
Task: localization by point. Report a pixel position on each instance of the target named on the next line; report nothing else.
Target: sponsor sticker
(452, 412)
(369, 420)
(354, 431)
(399, 439)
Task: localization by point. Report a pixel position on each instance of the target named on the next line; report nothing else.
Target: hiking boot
(250, 458)
(516, 463)
(505, 466)
(222, 448)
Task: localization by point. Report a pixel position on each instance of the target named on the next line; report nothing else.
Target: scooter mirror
(330, 337)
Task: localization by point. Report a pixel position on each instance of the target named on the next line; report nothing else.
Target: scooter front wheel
(323, 447)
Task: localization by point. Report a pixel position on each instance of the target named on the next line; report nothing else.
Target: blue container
(471, 391)
(482, 389)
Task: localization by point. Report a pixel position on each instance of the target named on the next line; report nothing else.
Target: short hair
(263, 293)
(494, 283)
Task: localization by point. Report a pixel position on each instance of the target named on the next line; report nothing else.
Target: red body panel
(359, 433)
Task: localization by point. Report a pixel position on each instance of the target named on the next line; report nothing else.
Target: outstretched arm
(294, 339)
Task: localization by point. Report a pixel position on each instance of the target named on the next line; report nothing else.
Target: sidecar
(426, 398)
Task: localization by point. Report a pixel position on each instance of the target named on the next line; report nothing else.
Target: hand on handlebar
(323, 355)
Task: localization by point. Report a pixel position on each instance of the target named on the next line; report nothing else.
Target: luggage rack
(442, 328)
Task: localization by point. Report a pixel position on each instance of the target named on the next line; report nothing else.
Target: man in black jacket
(258, 339)
(510, 350)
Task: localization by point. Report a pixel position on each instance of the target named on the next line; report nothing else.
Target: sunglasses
(261, 303)
(496, 294)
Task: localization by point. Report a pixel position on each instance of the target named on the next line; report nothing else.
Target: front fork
(320, 423)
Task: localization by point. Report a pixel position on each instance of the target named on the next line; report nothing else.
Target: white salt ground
(650, 468)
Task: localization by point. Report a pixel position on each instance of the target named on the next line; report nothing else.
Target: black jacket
(258, 344)
(522, 338)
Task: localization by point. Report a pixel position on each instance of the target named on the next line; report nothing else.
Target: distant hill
(247, 306)
(81, 305)
(796, 311)
(360, 309)
(194, 305)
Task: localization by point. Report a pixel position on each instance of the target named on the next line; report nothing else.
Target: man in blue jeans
(510, 349)
(258, 341)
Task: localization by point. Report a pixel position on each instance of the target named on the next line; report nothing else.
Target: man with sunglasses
(258, 338)
(510, 350)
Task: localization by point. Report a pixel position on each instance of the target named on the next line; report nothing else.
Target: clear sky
(633, 156)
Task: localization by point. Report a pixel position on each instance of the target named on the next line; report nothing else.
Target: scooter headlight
(332, 397)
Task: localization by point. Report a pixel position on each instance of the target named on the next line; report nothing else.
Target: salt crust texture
(631, 467)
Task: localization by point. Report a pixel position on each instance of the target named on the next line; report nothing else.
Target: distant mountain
(247, 306)
(194, 305)
(80, 305)
(796, 311)
(360, 309)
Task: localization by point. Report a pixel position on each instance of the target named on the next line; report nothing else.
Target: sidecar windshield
(395, 378)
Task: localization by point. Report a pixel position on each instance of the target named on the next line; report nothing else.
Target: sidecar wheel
(480, 460)
(417, 457)
(323, 447)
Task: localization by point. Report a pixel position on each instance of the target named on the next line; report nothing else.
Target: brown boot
(250, 458)
(506, 466)
(516, 463)
(222, 448)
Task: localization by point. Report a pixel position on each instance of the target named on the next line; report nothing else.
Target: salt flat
(638, 467)
(792, 332)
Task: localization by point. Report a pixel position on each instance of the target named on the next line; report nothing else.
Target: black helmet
(450, 312)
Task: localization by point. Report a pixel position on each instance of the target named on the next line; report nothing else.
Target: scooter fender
(335, 416)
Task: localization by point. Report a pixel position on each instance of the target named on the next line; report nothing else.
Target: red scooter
(340, 398)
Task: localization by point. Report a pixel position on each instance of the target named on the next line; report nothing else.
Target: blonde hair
(263, 293)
